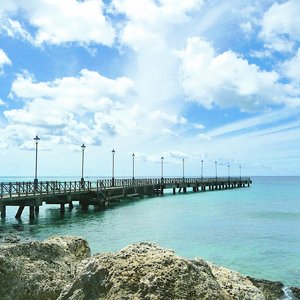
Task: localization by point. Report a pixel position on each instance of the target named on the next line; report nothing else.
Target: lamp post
(183, 168)
(228, 172)
(216, 169)
(133, 156)
(82, 162)
(35, 182)
(202, 168)
(162, 167)
(240, 173)
(113, 167)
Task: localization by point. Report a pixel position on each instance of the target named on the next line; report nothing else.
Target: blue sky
(194, 79)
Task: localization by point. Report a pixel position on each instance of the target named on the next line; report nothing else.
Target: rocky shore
(63, 268)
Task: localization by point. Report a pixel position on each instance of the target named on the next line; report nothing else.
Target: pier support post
(3, 211)
(31, 212)
(19, 212)
(184, 189)
(36, 210)
(174, 191)
(84, 206)
(70, 206)
(62, 208)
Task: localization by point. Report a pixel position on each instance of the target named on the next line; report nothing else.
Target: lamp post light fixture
(202, 168)
(216, 169)
(35, 182)
(240, 173)
(133, 156)
(228, 172)
(162, 167)
(113, 167)
(183, 168)
(82, 162)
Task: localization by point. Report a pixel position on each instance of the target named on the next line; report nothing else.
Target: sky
(196, 80)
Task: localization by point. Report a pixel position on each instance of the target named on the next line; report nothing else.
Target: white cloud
(266, 53)
(159, 115)
(2, 102)
(14, 29)
(291, 68)
(16, 134)
(4, 60)
(66, 106)
(203, 136)
(87, 86)
(88, 105)
(154, 14)
(251, 124)
(247, 27)
(199, 126)
(281, 26)
(153, 29)
(226, 79)
(58, 22)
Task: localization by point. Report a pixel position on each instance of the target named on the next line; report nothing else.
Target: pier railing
(23, 189)
(168, 181)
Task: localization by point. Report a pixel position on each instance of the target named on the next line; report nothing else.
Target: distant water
(255, 230)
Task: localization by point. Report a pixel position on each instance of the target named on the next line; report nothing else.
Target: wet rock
(18, 227)
(39, 270)
(13, 239)
(296, 291)
(272, 290)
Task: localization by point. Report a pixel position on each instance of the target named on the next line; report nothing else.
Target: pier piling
(19, 212)
(31, 212)
(3, 211)
(62, 208)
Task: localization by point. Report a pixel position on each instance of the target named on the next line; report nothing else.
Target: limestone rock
(39, 270)
(296, 291)
(236, 285)
(146, 271)
(272, 290)
(61, 268)
(11, 239)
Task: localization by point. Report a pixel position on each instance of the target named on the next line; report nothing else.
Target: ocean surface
(255, 230)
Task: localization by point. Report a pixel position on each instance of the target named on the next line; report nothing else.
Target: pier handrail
(162, 181)
(19, 189)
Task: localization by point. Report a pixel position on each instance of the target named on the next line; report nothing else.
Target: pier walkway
(101, 193)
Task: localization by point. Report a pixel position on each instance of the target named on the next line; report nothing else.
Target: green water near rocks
(255, 230)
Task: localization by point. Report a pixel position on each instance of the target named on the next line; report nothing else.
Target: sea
(254, 230)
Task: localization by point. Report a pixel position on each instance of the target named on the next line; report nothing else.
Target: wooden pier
(101, 193)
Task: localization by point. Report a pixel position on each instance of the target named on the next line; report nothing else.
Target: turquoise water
(255, 230)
